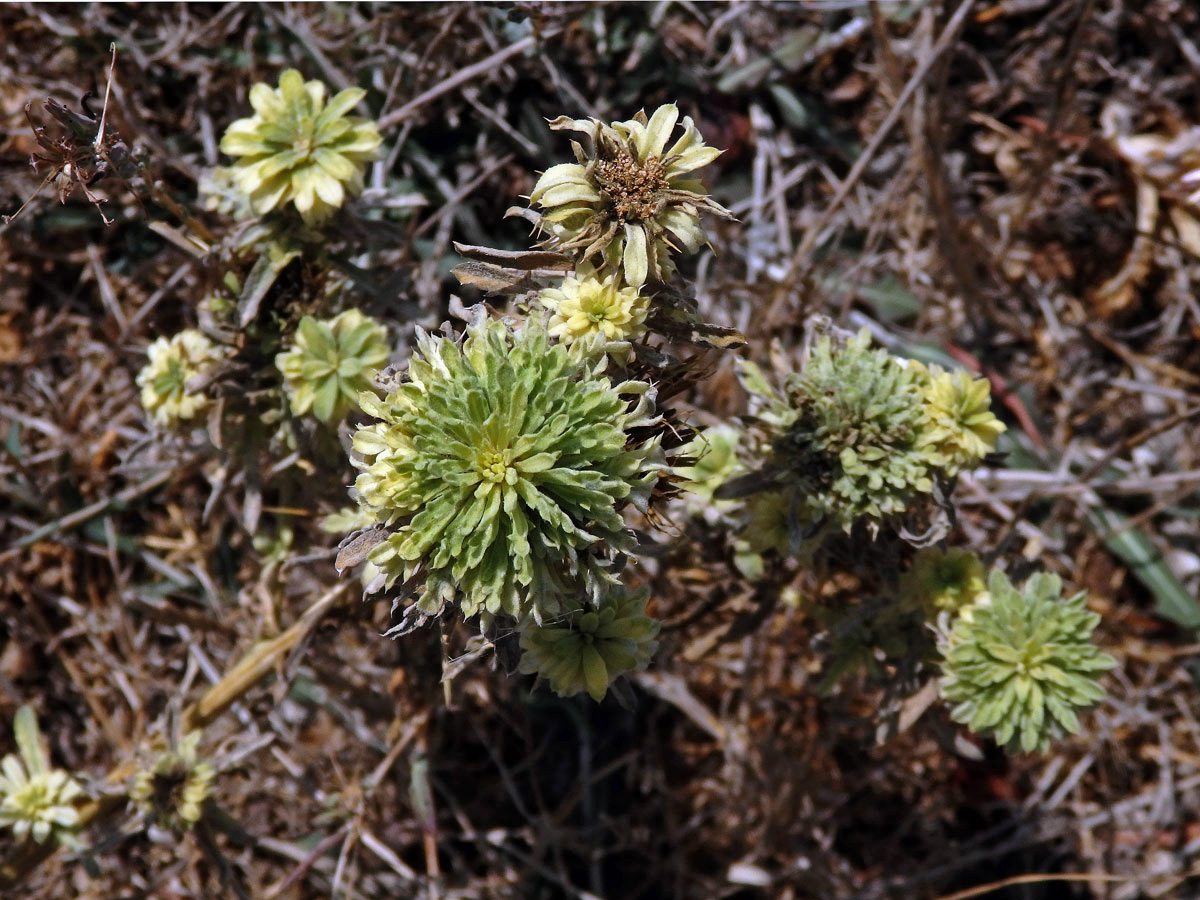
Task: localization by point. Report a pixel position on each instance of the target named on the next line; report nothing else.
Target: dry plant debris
(1006, 188)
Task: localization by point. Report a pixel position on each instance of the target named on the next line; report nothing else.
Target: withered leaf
(355, 548)
(494, 279)
(527, 260)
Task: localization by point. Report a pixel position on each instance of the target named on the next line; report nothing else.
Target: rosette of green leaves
(1018, 663)
(588, 649)
(503, 464)
(299, 148)
(331, 362)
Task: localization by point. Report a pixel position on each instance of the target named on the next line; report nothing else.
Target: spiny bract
(1019, 662)
(298, 148)
(627, 201)
(588, 649)
(503, 464)
(331, 363)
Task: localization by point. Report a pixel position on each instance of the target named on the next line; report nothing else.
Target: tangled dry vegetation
(1010, 186)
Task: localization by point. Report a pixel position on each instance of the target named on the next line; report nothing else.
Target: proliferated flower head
(848, 440)
(173, 362)
(331, 362)
(503, 464)
(627, 201)
(36, 800)
(962, 427)
(941, 580)
(588, 649)
(1018, 663)
(297, 148)
(588, 305)
(174, 788)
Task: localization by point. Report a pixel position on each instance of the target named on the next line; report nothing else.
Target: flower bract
(629, 200)
(587, 649)
(1019, 663)
(502, 464)
(173, 362)
(297, 148)
(331, 362)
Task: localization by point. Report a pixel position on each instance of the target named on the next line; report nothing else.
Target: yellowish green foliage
(502, 464)
(590, 305)
(35, 800)
(173, 789)
(1019, 662)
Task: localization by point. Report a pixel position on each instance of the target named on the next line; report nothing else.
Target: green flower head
(174, 788)
(173, 362)
(331, 362)
(1019, 662)
(297, 148)
(503, 463)
(629, 201)
(588, 649)
(35, 800)
(847, 440)
(941, 580)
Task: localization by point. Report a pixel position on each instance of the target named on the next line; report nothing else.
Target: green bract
(588, 649)
(332, 362)
(1018, 663)
(503, 464)
(296, 148)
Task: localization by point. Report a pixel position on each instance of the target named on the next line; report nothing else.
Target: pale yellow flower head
(297, 148)
(588, 304)
(961, 425)
(174, 361)
(35, 800)
(628, 201)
